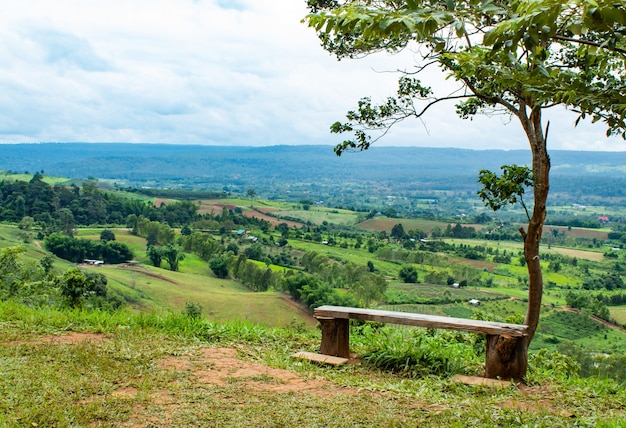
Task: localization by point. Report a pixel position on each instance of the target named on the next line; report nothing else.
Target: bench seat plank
(421, 320)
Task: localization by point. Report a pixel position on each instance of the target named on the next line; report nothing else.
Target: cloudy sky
(220, 72)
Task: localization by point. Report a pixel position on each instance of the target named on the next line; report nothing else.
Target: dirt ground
(221, 369)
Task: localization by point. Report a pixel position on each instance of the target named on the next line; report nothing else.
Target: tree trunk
(532, 238)
(507, 358)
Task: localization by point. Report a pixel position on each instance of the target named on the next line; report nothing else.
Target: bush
(219, 265)
(408, 274)
(193, 310)
(77, 286)
(107, 235)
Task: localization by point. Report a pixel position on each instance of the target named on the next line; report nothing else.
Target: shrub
(219, 265)
(193, 310)
(408, 274)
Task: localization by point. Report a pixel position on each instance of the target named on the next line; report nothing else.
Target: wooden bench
(502, 338)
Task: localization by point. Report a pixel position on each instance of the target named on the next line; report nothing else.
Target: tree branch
(590, 43)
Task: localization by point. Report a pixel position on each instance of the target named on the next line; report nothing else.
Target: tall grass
(417, 352)
(178, 325)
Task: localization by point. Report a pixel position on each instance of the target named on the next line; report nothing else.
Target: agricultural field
(438, 294)
(379, 224)
(618, 313)
(4, 175)
(320, 214)
(359, 257)
(497, 283)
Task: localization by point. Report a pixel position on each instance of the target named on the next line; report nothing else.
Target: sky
(215, 72)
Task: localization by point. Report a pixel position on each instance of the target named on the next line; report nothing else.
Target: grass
(359, 257)
(221, 299)
(425, 293)
(618, 313)
(27, 177)
(150, 288)
(318, 214)
(146, 370)
(379, 224)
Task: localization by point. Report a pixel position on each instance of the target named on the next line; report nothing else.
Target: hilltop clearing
(177, 372)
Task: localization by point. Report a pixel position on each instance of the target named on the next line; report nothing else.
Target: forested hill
(237, 168)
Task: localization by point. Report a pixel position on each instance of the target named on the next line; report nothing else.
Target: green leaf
(576, 28)
(411, 4)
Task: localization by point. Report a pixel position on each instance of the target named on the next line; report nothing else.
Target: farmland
(284, 257)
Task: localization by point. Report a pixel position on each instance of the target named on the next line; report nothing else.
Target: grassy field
(379, 224)
(4, 175)
(427, 292)
(618, 313)
(158, 289)
(318, 214)
(359, 257)
(221, 299)
(98, 369)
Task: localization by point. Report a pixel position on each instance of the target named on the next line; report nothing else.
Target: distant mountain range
(217, 167)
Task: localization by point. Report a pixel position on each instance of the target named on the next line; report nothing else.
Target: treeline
(77, 250)
(63, 207)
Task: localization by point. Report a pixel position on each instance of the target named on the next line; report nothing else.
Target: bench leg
(335, 337)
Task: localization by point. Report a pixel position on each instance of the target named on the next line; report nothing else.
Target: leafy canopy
(511, 57)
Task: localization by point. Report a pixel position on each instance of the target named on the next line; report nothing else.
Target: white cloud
(244, 72)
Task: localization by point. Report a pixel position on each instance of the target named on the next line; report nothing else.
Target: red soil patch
(142, 270)
(71, 338)
(220, 367)
(74, 338)
(266, 209)
(206, 208)
(272, 220)
(577, 233)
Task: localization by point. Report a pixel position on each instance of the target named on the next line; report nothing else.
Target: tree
(371, 287)
(173, 255)
(155, 255)
(47, 263)
(77, 286)
(66, 222)
(26, 223)
(283, 229)
(408, 274)
(219, 265)
(397, 232)
(514, 58)
(107, 235)
(251, 194)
